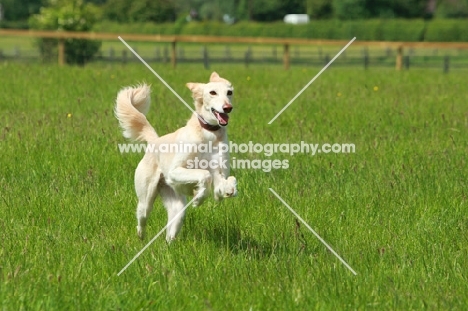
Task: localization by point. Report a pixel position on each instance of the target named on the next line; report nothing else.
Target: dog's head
(213, 99)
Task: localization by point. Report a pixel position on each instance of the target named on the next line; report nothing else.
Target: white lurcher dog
(168, 173)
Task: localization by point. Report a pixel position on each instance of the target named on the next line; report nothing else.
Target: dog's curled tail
(131, 106)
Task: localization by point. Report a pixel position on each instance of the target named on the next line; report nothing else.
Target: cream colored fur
(167, 173)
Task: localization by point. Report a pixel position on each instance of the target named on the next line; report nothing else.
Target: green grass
(396, 210)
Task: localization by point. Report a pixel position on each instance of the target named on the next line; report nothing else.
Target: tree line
(128, 11)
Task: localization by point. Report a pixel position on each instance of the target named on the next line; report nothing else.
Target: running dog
(171, 174)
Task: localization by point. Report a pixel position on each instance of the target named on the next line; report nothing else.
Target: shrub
(128, 11)
(67, 15)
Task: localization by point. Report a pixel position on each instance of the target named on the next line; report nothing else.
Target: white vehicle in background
(296, 19)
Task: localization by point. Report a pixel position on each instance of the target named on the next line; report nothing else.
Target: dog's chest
(213, 137)
(210, 150)
(214, 141)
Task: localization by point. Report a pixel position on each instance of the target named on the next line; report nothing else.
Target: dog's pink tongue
(223, 118)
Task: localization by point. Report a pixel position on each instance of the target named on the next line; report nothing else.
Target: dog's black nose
(227, 108)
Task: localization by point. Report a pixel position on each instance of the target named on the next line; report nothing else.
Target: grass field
(395, 210)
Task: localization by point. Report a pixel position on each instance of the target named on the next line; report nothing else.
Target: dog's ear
(214, 77)
(196, 88)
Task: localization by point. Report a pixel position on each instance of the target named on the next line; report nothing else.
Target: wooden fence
(174, 39)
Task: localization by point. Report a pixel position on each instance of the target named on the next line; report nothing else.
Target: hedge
(21, 24)
(447, 30)
(372, 30)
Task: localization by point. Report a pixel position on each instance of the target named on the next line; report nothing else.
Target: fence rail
(400, 60)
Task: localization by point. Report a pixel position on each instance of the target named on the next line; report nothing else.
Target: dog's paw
(141, 232)
(196, 203)
(170, 239)
(230, 187)
(200, 196)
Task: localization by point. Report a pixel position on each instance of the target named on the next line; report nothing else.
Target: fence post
(157, 55)
(247, 56)
(61, 52)
(173, 54)
(206, 63)
(286, 59)
(446, 63)
(407, 62)
(399, 58)
(124, 56)
(366, 59)
(111, 54)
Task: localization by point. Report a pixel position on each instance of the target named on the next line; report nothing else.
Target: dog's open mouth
(223, 118)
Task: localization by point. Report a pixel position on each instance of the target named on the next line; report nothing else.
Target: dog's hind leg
(174, 204)
(147, 177)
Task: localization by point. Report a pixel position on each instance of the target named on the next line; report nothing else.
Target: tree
(410, 8)
(269, 10)
(126, 11)
(351, 9)
(207, 9)
(319, 9)
(15, 10)
(452, 8)
(360, 9)
(96, 2)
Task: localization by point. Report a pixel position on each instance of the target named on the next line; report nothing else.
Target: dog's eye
(229, 93)
(213, 93)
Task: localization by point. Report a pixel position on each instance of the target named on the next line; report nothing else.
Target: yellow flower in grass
(69, 115)
(339, 94)
(376, 88)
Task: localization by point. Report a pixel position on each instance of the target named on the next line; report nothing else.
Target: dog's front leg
(181, 178)
(223, 187)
